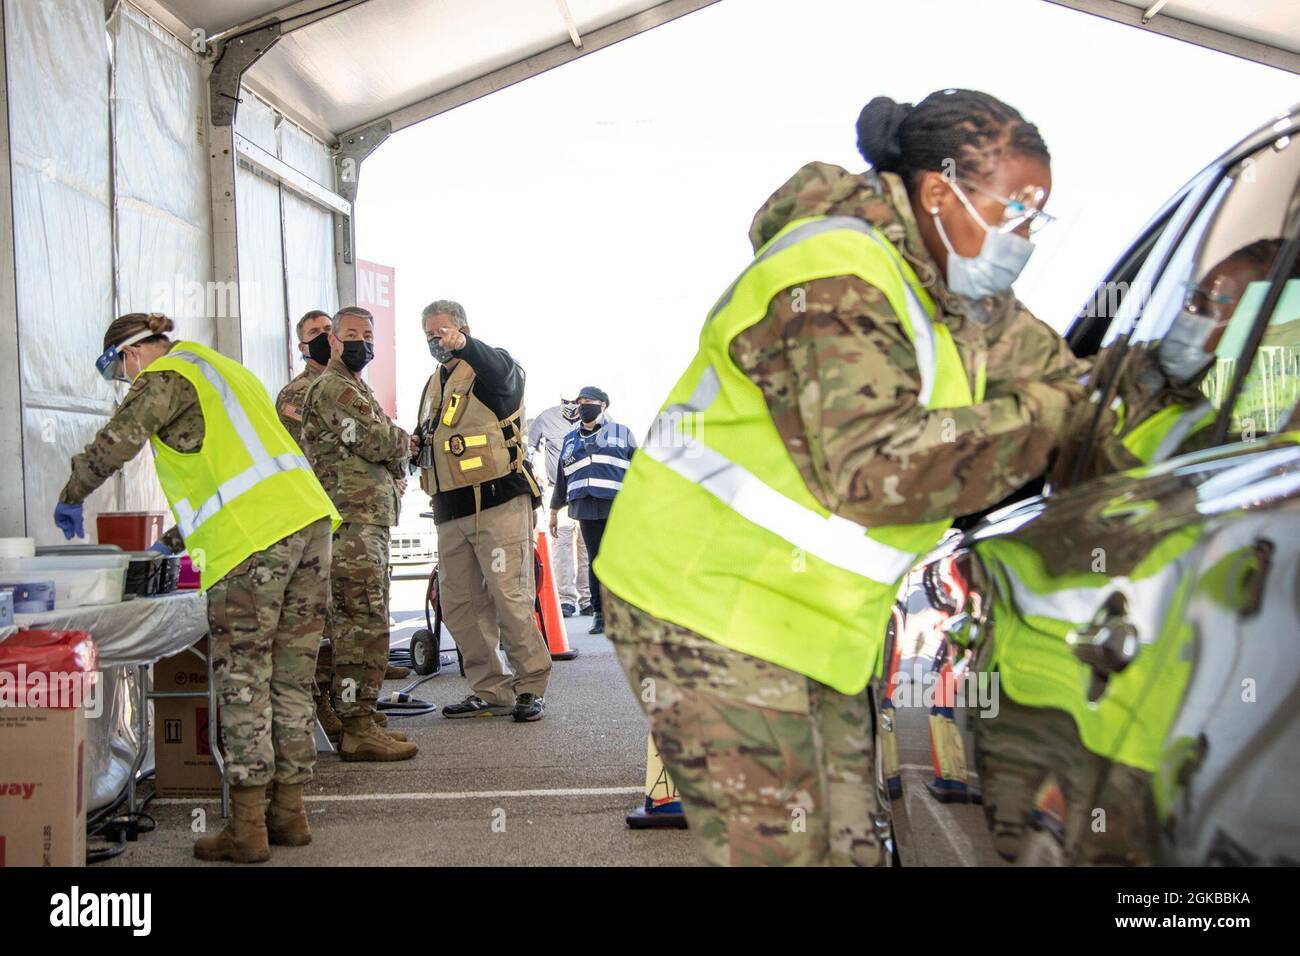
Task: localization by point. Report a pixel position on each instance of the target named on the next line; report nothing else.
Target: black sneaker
(528, 707)
(598, 625)
(475, 706)
(587, 610)
(568, 610)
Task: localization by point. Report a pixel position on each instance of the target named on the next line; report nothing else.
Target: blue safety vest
(594, 462)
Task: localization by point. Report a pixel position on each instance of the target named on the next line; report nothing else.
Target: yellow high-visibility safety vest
(714, 529)
(1159, 437)
(1034, 615)
(249, 485)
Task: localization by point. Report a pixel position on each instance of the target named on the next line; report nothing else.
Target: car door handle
(1107, 644)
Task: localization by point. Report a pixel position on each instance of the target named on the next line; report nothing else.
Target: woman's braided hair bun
(879, 133)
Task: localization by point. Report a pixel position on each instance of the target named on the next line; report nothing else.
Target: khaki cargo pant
(487, 587)
(266, 617)
(773, 768)
(358, 617)
(571, 576)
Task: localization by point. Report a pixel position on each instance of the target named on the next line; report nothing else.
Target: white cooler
(78, 580)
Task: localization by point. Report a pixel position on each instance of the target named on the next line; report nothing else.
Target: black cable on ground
(402, 704)
(119, 829)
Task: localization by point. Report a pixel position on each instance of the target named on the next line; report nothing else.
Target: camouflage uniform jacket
(841, 380)
(160, 403)
(288, 404)
(1141, 391)
(355, 450)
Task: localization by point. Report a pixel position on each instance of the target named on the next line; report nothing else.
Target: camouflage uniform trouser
(358, 619)
(773, 767)
(324, 670)
(266, 617)
(1037, 775)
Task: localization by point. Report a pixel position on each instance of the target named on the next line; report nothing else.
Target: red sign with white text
(375, 292)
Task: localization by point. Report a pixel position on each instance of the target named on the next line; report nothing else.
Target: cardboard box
(42, 786)
(183, 762)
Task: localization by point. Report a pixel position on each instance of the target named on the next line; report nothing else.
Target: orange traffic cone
(549, 619)
(947, 748)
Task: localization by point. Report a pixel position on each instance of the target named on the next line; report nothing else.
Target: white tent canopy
(344, 65)
(1266, 31)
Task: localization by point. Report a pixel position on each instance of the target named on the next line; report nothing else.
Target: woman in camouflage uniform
(268, 526)
(762, 713)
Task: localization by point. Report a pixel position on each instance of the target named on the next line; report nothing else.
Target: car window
(1210, 292)
(1132, 295)
(1093, 321)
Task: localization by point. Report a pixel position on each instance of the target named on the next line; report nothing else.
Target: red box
(131, 530)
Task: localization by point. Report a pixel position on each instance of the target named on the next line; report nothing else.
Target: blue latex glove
(161, 548)
(69, 520)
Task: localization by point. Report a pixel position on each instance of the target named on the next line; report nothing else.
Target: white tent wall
(112, 213)
(263, 318)
(162, 209)
(286, 243)
(58, 87)
(308, 229)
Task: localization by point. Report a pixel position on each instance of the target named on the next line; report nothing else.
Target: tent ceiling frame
(293, 180)
(1154, 20)
(228, 58)
(292, 16)
(538, 63)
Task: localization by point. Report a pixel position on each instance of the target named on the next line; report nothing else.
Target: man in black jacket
(476, 471)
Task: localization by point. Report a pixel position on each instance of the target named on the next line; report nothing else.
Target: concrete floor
(484, 791)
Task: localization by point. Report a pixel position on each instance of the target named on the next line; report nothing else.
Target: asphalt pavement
(482, 791)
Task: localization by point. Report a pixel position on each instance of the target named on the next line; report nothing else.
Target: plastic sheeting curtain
(286, 244)
(161, 203)
(308, 229)
(63, 238)
(112, 213)
(263, 318)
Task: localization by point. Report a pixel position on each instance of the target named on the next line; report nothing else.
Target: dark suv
(1120, 654)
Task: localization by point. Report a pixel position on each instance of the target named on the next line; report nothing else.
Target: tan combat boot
(362, 740)
(244, 838)
(286, 817)
(396, 672)
(381, 721)
(328, 717)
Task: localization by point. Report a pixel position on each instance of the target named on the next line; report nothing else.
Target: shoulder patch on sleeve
(291, 411)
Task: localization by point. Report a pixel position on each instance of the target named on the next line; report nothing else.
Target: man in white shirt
(550, 427)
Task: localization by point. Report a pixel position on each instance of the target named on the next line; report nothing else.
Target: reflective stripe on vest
(603, 463)
(188, 518)
(611, 460)
(834, 539)
(1157, 438)
(716, 529)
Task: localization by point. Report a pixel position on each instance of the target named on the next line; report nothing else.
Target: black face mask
(318, 349)
(589, 413)
(357, 354)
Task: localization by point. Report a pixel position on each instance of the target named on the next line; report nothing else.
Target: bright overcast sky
(589, 217)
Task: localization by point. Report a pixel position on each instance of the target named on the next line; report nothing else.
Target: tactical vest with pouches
(470, 444)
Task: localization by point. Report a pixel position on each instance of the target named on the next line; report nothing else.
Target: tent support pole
(353, 149)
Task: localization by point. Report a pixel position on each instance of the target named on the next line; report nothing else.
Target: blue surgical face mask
(1001, 259)
(1182, 351)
